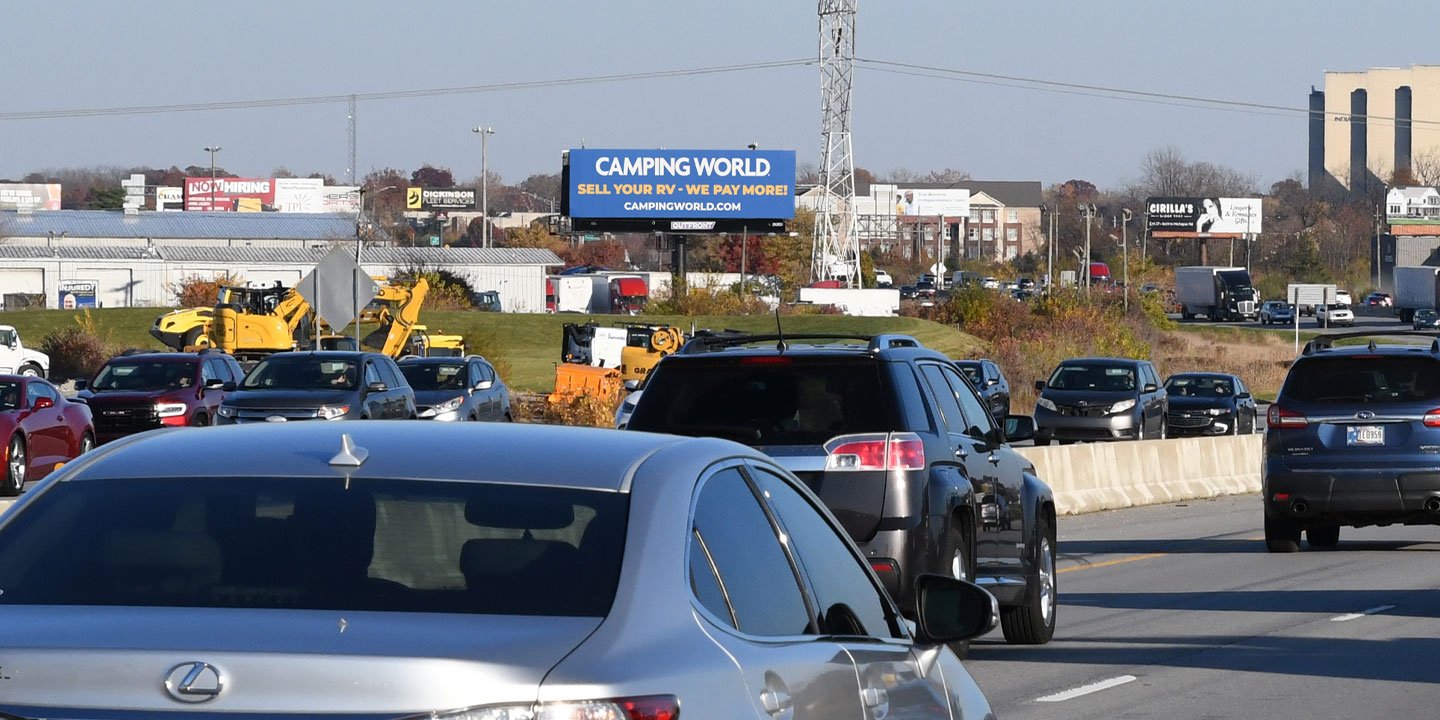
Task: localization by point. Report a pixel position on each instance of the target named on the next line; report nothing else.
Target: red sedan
(40, 429)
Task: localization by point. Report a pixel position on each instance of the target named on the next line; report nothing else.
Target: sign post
(337, 288)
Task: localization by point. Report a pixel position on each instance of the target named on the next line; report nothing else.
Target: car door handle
(776, 701)
(994, 459)
(961, 454)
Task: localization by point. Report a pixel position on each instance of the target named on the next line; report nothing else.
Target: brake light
(882, 566)
(1279, 417)
(765, 360)
(875, 451)
(1432, 418)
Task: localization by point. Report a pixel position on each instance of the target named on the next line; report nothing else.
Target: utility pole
(1377, 248)
(1050, 257)
(1088, 210)
(835, 236)
(351, 127)
(485, 133)
(1125, 249)
(744, 238)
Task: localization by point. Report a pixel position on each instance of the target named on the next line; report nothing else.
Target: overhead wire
(397, 94)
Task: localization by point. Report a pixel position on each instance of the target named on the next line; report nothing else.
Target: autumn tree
(430, 176)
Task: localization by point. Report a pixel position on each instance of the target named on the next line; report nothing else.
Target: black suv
(895, 441)
(1353, 439)
(143, 390)
(320, 385)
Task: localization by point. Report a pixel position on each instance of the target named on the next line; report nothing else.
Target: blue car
(1277, 312)
(1352, 440)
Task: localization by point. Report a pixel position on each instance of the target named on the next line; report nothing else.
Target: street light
(212, 151)
(359, 242)
(485, 133)
(1125, 248)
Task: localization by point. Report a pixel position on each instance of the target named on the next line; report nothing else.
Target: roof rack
(1326, 342)
(718, 341)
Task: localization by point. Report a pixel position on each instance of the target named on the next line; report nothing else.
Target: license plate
(1365, 435)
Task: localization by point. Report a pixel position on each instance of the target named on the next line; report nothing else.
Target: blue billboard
(682, 184)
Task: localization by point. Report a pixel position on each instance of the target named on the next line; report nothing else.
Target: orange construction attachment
(573, 380)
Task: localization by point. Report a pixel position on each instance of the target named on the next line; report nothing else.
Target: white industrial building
(140, 260)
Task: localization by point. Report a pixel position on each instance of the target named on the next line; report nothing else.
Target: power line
(1111, 92)
(397, 94)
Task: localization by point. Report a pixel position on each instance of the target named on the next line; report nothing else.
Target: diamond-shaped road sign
(337, 288)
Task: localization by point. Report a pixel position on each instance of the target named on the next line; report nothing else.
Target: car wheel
(1163, 432)
(16, 465)
(199, 420)
(960, 549)
(87, 443)
(30, 370)
(1282, 535)
(1033, 621)
(1140, 434)
(1325, 536)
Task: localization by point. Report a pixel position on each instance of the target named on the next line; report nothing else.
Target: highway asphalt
(1177, 611)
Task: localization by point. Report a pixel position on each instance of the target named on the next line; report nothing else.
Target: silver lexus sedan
(455, 572)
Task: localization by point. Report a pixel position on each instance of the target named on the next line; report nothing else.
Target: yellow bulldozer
(604, 361)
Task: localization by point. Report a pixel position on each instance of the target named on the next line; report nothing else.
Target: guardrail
(1106, 476)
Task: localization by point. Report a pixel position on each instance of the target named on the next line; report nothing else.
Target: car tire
(192, 337)
(1282, 535)
(1033, 621)
(1323, 537)
(16, 467)
(31, 370)
(87, 443)
(960, 554)
(200, 420)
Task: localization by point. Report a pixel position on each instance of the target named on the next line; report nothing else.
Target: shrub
(74, 353)
(584, 410)
(200, 291)
(448, 290)
(705, 301)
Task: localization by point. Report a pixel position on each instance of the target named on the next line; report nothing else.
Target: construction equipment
(427, 344)
(604, 360)
(248, 321)
(397, 310)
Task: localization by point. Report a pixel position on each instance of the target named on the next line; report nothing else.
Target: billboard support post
(485, 133)
(212, 151)
(744, 238)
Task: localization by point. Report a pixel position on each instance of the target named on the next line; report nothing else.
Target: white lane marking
(1362, 613)
(1087, 689)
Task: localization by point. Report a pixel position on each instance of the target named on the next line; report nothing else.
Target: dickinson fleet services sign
(682, 184)
(1194, 217)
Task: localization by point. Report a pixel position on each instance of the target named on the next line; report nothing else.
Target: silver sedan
(456, 572)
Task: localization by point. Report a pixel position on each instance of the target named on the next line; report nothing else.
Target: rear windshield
(972, 372)
(144, 376)
(1358, 379)
(375, 545)
(1093, 377)
(765, 400)
(1199, 386)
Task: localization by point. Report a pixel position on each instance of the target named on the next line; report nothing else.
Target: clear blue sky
(88, 54)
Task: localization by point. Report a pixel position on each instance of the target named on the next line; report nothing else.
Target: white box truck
(1416, 288)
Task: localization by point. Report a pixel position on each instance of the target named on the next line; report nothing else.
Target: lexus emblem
(1364, 415)
(193, 682)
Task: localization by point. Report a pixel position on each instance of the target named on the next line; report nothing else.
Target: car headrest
(508, 509)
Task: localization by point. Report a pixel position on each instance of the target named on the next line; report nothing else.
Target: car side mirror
(992, 382)
(484, 384)
(377, 386)
(214, 384)
(1019, 427)
(1151, 387)
(1039, 386)
(632, 385)
(42, 402)
(81, 384)
(228, 386)
(950, 610)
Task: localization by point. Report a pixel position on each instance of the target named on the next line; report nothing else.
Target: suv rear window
(322, 544)
(1372, 379)
(766, 399)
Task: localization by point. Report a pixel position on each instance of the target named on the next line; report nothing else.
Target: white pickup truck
(16, 359)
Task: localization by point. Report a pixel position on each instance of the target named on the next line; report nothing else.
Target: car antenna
(780, 345)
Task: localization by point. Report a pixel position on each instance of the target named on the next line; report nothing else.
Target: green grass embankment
(528, 346)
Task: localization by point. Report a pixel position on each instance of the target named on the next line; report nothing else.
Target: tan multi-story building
(1364, 126)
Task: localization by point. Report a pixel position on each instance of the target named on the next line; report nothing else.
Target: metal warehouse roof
(376, 255)
(178, 225)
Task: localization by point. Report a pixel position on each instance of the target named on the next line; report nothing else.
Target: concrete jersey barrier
(1105, 476)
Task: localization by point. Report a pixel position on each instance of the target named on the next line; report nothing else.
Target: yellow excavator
(604, 361)
(251, 322)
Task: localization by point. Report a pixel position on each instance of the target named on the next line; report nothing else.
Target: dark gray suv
(1100, 399)
(1353, 439)
(895, 441)
(323, 385)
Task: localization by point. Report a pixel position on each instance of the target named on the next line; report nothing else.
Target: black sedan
(1426, 319)
(1209, 404)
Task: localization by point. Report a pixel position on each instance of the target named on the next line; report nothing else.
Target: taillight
(875, 451)
(1432, 418)
(1279, 417)
(765, 360)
